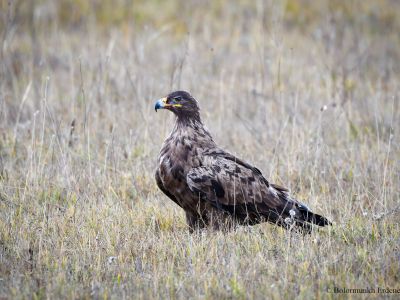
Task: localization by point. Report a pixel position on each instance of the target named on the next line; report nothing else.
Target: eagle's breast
(175, 161)
(181, 152)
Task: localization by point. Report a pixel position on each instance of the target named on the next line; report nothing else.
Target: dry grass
(307, 91)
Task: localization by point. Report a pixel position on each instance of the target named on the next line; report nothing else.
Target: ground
(306, 91)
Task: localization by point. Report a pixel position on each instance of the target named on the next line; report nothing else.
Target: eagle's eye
(178, 98)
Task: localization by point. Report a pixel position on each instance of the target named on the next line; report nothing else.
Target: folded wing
(239, 189)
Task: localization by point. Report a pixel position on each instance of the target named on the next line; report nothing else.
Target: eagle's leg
(194, 221)
(218, 220)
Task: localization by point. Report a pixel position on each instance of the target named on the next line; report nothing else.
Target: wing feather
(237, 188)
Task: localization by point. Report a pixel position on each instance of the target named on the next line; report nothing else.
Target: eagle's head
(181, 103)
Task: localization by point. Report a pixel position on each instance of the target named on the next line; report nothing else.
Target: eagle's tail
(303, 221)
(307, 218)
(305, 215)
(313, 218)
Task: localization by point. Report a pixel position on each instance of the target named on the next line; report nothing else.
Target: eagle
(214, 187)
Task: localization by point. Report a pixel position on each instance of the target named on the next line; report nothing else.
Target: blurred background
(308, 91)
(258, 68)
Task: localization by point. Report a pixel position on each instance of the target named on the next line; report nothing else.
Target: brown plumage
(213, 186)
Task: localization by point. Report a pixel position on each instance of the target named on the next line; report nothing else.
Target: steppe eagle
(214, 187)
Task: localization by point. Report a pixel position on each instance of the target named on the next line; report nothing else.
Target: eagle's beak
(161, 103)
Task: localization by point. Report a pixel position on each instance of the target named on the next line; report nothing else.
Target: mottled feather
(211, 184)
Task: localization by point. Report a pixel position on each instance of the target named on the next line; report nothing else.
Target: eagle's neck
(183, 123)
(187, 118)
(187, 140)
(191, 126)
(191, 131)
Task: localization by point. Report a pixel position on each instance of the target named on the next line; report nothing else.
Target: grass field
(308, 91)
